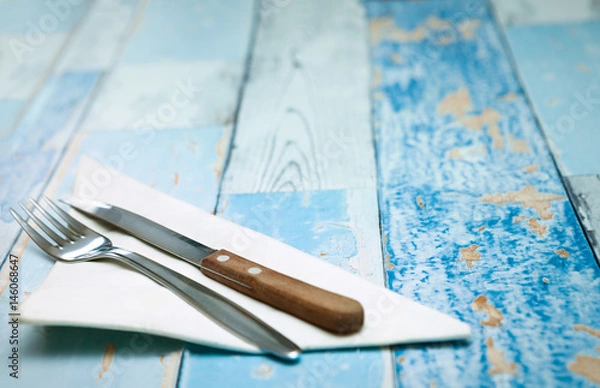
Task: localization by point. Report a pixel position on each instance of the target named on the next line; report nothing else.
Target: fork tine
(35, 236)
(64, 230)
(42, 225)
(72, 222)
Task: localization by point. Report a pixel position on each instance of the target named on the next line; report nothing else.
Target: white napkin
(108, 295)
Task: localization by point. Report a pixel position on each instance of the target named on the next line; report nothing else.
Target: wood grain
(304, 119)
(452, 220)
(321, 223)
(303, 128)
(585, 194)
(327, 310)
(47, 136)
(527, 12)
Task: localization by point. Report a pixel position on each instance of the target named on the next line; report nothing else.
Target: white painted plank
(95, 46)
(167, 95)
(585, 195)
(304, 122)
(304, 126)
(22, 74)
(521, 12)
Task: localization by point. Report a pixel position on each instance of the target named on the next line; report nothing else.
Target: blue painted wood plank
(40, 17)
(191, 31)
(183, 161)
(475, 219)
(560, 67)
(9, 111)
(178, 162)
(318, 223)
(30, 153)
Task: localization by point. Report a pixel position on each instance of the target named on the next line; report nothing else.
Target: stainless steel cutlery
(67, 240)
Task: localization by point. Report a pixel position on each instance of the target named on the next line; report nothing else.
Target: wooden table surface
(430, 147)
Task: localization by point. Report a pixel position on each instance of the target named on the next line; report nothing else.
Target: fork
(68, 240)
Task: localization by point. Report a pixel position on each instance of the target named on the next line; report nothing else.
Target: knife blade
(329, 311)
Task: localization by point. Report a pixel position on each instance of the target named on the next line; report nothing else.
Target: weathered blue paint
(560, 66)
(46, 351)
(316, 223)
(191, 31)
(28, 157)
(9, 111)
(434, 174)
(37, 18)
(180, 162)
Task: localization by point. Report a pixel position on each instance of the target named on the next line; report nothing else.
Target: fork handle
(228, 314)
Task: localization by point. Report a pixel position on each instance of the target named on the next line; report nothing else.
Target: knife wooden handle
(327, 310)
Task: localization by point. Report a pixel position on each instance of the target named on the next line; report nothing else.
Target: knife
(329, 311)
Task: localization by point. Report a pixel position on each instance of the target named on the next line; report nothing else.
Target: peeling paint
(456, 104)
(536, 227)
(495, 316)
(531, 168)
(170, 363)
(488, 116)
(420, 202)
(107, 359)
(454, 153)
(459, 104)
(589, 330)
(586, 366)
(436, 23)
(564, 254)
(518, 145)
(388, 263)
(497, 139)
(470, 255)
(264, 371)
(582, 67)
(221, 149)
(509, 97)
(467, 28)
(176, 179)
(397, 58)
(496, 358)
(385, 27)
(528, 197)
(518, 219)
(377, 77)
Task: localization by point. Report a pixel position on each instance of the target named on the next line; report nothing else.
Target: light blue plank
(439, 176)
(39, 17)
(183, 163)
(190, 31)
(27, 156)
(49, 352)
(72, 357)
(9, 110)
(560, 67)
(313, 222)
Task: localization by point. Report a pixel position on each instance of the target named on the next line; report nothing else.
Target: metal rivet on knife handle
(327, 310)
